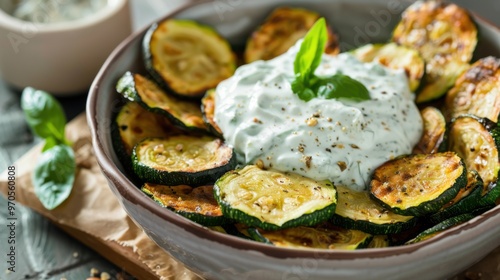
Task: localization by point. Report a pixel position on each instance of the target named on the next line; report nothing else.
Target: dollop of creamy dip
(340, 140)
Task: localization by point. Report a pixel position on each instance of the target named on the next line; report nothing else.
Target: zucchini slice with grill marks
(357, 210)
(182, 160)
(477, 91)
(417, 185)
(433, 132)
(476, 140)
(445, 36)
(396, 57)
(324, 236)
(281, 30)
(133, 123)
(208, 111)
(467, 200)
(274, 200)
(184, 114)
(197, 204)
(187, 57)
(444, 225)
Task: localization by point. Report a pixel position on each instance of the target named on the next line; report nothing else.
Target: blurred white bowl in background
(63, 57)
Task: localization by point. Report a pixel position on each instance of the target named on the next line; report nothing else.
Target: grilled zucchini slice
(182, 160)
(417, 185)
(467, 200)
(187, 57)
(444, 225)
(281, 30)
(396, 57)
(208, 111)
(197, 204)
(357, 210)
(184, 114)
(132, 124)
(477, 91)
(272, 200)
(445, 36)
(324, 236)
(433, 132)
(473, 139)
(135, 123)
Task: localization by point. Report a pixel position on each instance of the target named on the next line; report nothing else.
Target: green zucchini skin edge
(257, 236)
(147, 57)
(444, 225)
(195, 217)
(151, 175)
(118, 146)
(310, 219)
(232, 229)
(466, 205)
(126, 87)
(376, 229)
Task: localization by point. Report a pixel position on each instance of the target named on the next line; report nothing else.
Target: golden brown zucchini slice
(274, 200)
(476, 141)
(281, 30)
(184, 114)
(134, 123)
(208, 111)
(477, 91)
(197, 204)
(433, 132)
(188, 57)
(395, 56)
(324, 236)
(182, 160)
(357, 210)
(418, 184)
(445, 36)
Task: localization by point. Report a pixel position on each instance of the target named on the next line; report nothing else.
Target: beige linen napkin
(93, 209)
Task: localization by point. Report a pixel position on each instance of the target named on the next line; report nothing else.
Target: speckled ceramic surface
(217, 256)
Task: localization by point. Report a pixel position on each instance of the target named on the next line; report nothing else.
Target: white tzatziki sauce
(340, 140)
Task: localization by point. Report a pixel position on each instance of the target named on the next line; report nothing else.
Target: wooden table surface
(46, 252)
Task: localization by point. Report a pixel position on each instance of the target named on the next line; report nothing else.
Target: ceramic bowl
(218, 256)
(61, 58)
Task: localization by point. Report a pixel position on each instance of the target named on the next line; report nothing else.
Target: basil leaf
(54, 176)
(43, 114)
(309, 56)
(341, 86)
(303, 92)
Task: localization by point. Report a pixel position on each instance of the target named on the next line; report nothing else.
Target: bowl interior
(357, 22)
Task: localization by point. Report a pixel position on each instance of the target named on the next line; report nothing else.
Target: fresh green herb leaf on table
(307, 85)
(54, 175)
(55, 170)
